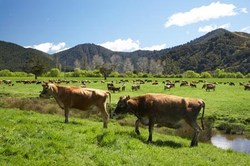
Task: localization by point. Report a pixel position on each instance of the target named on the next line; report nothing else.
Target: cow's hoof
(137, 132)
(149, 141)
(194, 144)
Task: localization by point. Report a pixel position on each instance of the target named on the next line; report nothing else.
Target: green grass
(30, 138)
(228, 104)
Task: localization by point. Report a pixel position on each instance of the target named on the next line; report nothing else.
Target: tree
(127, 65)
(77, 72)
(77, 64)
(85, 64)
(97, 61)
(239, 75)
(205, 75)
(37, 65)
(142, 64)
(54, 72)
(5, 73)
(117, 60)
(106, 69)
(155, 66)
(190, 74)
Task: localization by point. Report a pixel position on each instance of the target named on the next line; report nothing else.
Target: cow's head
(46, 92)
(122, 105)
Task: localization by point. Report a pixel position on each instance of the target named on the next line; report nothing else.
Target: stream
(234, 142)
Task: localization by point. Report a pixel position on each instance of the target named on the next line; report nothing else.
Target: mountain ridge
(217, 49)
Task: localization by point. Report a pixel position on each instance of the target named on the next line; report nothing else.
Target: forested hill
(217, 49)
(18, 58)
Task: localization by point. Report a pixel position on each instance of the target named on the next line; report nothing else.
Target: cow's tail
(110, 107)
(202, 116)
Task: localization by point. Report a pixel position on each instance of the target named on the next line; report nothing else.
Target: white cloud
(246, 29)
(122, 45)
(155, 47)
(49, 47)
(209, 28)
(214, 10)
(129, 45)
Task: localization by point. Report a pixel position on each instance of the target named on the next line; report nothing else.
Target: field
(31, 138)
(227, 105)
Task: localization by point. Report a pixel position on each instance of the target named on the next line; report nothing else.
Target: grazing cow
(247, 87)
(135, 87)
(118, 89)
(193, 85)
(79, 98)
(184, 83)
(209, 86)
(167, 86)
(164, 110)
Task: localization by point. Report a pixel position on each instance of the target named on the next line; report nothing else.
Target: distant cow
(193, 85)
(184, 83)
(209, 86)
(247, 87)
(77, 97)
(118, 89)
(169, 85)
(164, 110)
(135, 87)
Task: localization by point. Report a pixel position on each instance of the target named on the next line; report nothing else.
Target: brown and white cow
(164, 110)
(79, 98)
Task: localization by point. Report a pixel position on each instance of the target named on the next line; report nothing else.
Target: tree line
(105, 72)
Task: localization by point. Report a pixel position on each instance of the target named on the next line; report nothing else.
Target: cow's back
(81, 98)
(167, 110)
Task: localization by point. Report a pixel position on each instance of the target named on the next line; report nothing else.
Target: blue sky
(120, 25)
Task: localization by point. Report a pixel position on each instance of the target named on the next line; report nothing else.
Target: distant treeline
(219, 73)
(54, 72)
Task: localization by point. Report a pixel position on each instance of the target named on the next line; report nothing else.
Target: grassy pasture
(30, 138)
(228, 105)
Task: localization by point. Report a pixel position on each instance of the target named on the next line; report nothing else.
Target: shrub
(205, 75)
(54, 72)
(5, 73)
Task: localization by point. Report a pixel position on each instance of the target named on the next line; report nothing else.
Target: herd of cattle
(136, 84)
(150, 109)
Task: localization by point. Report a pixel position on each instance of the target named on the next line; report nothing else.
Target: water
(235, 143)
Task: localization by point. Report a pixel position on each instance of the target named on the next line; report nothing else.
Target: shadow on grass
(72, 122)
(159, 143)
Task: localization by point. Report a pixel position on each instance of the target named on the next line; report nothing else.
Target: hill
(217, 49)
(18, 58)
(29, 138)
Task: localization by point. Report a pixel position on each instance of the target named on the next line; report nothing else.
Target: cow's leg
(105, 116)
(137, 122)
(66, 114)
(150, 130)
(197, 129)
